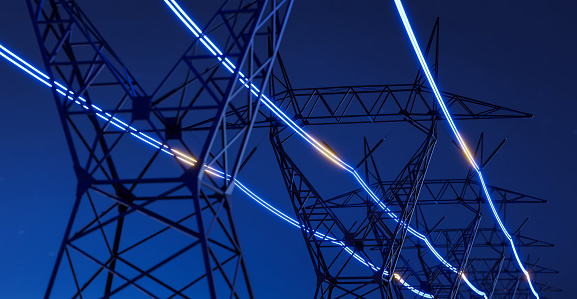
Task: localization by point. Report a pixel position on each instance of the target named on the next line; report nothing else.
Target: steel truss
(359, 229)
(124, 210)
(355, 220)
(374, 231)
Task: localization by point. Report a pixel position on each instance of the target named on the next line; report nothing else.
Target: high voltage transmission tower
(156, 195)
(156, 171)
(380, 239)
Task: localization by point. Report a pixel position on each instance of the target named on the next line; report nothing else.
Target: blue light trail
(457, 135)
(177, 10)
(109, 119)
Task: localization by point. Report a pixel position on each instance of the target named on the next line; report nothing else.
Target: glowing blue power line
(108, 118)
(456, 133)
(289, 122)
(320, 235)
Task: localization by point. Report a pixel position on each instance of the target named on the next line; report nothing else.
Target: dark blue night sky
(517, 54)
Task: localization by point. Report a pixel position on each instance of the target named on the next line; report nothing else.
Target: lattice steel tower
(376, 238)
(157, 169)
(158, 200)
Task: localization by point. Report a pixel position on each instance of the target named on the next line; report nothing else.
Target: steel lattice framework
(176, 193)
(76, 55)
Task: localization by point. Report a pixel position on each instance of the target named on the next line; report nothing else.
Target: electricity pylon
(152, 220)
(176, 195)
(359, 228)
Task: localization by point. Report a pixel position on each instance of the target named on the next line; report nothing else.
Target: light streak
(317, 145)
(456, 133)
(110, 119)
(317, 234)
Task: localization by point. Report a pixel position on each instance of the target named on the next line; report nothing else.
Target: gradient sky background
(518, 54)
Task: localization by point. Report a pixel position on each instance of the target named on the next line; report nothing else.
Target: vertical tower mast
(147, 220)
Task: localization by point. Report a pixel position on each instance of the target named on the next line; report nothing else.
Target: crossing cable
(210, 46)
(457, 135)
(110, 119)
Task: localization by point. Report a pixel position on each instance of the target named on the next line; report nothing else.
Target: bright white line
(24, 69)
(186, 159)
(456, 133)
(329, 154)
(24, 62)
(267, 103)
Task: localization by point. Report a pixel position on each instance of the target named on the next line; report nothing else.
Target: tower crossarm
(446, 192)
(367, 105)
